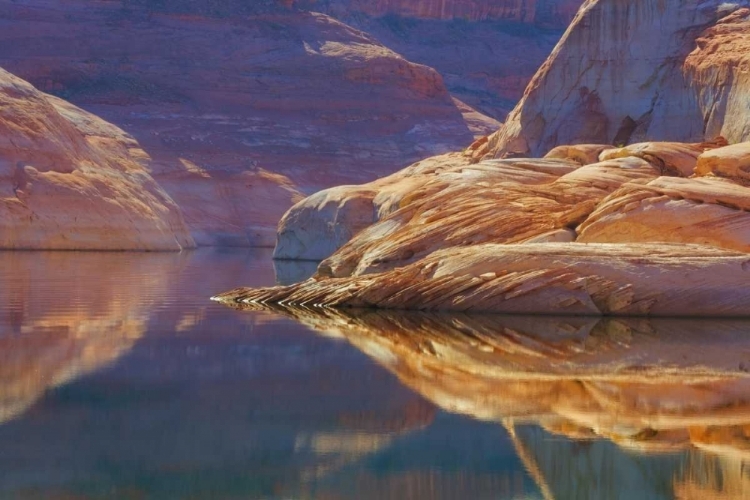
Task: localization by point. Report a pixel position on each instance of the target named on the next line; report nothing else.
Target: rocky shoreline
(608, 222)
(653, 229)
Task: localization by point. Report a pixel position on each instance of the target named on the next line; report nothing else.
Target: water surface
(119, 379)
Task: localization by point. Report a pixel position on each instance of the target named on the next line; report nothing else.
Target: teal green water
(120, 379)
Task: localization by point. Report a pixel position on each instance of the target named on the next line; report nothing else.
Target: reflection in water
(49, 339)
(119, 379)
(671, 398)
(289, 272)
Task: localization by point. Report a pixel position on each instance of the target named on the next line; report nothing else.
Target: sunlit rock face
(629, 71)
(649, 229)
(483, 204)
(706, 211)
(240, 106)
(448, 201)
(717, 68)
(71, 181)
(540, 278)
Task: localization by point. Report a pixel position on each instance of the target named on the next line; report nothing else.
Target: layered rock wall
(547, 12)
(243, 110)
(717, 69)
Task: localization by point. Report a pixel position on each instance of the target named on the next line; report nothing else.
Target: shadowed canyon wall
(238, 113)
(486, 50)
(555, 13)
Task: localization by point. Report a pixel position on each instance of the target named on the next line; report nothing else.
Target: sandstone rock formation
(316, 227)
(541, 278)
(717, 68)
(69, 180)
(543, 236)
(241, 106)
(443, 202)
(706, 211)
(615, 79)
(485, 205)
(731, 162)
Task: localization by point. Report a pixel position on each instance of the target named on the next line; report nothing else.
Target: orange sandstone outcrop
(550, 236)
(69, 180)
(541, 278)
(707, 211)
(485, 206)
(627, 71)
(316, 227)
(732, 162)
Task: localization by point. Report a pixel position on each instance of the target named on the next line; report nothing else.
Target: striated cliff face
(557, 13)
(624, 72)
(69, 180)
(718, 70)
(240, 110)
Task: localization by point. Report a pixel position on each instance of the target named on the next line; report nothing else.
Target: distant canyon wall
(238, 115)
(556, 13)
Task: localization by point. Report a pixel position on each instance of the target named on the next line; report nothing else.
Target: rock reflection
(96, 309)
(653, 408)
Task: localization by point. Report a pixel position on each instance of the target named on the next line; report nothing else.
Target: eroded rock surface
(322, 223)
(708, 211)
(448, 211)
(486, 51)
(484, 205)
(718, 69)
(542, 278)
(731, 162)
(71, 181)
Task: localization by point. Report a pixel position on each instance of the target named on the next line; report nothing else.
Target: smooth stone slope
(630, 70)
(71, 181)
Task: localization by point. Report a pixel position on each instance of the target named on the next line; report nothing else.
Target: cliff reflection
(597, 408)
(94, 309)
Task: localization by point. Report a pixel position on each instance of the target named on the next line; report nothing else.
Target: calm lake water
(120, 379)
